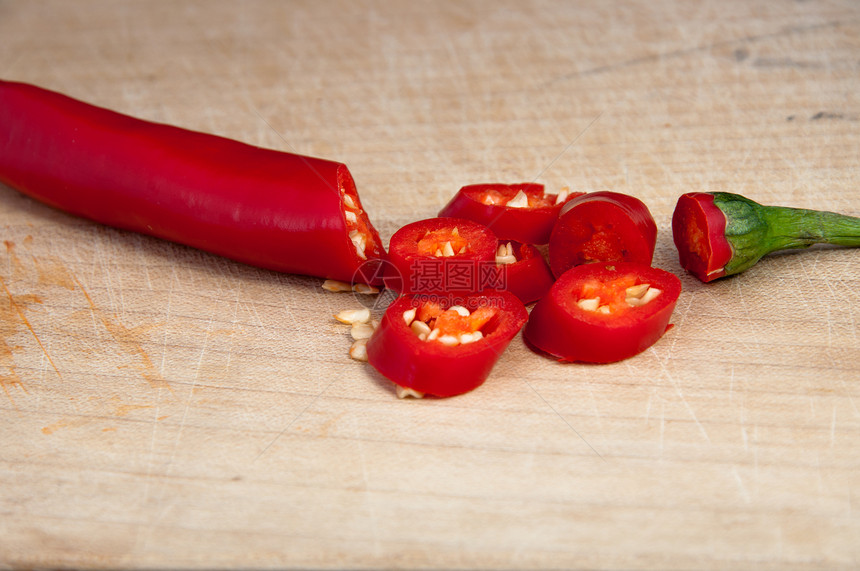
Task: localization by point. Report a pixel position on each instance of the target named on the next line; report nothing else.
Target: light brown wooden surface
(162, 407)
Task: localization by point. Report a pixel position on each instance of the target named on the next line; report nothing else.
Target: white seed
(455, 232)
(501, 260)
(374, 323)
(349, 202)
(447, 250)
(433, 334)
(409, 315)
(462, 250)
(438, 253)
(421, 329)
(647, 297)
(449, 340)
(350, 216)
(519, 201)
(603, 309)
(590, 304)
(501, 251)
(358, 350)
(562, 195)
(353, 316)
(471, 337)
(651, 294)
(361, 331)
(359, 240)
(461, 311)
(364, 288)
(637, 290)
(404, 392)
(336, 286)
(509, 249)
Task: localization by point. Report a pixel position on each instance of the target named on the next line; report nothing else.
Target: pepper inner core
(444, 242)
(519, 199)
(453, 326)
(615, 296)
(358, 226)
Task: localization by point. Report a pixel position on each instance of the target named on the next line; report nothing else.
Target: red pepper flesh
(431, 367)
(569, 325)
(442, 255)
(529, 277)
(602, 227)
(699, 233)
(488, 205)
(274, 210)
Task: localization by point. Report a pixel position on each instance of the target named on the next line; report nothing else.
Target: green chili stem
(800, 228)
(753, 229)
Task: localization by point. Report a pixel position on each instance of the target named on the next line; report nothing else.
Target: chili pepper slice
(602, 226)
(442, 255)
(431, 345)
(720, 234)
(524, 272)
(522, 212)
(274, 210)
(601, 313)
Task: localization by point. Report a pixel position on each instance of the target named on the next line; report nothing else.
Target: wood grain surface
(166, 408)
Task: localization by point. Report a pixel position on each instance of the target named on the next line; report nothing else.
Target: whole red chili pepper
(442, 255)
(270, 209)
(601, 313)
(602, 227)
(520, 212)
(719, 233)
(444, 346)
(523, 271)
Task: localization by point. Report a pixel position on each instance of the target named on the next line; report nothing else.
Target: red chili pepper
(719, 234)
(274, 210)
(601, 313)
(524, 272)
(602, 227)
(442, 255)
(432, 346)
(521, 212)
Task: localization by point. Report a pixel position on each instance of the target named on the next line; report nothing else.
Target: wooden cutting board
(165, 408)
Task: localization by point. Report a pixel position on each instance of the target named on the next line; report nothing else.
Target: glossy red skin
(406, 262)
(699, 233)
(633, 230)
(529, 278)
(269, 209)
(563, 330)
(526, 225)
(433, 368)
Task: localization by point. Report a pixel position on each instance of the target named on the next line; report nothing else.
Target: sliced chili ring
(441, 345)
(522, 212)
(523, 270)
(266, 208)
(602, 227)
(442, 255)
(601, 313)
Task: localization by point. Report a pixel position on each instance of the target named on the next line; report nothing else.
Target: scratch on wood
(128, 340)
(23, 318)
(17, 266)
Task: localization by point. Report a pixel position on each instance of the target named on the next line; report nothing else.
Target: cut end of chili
(522, 212)
(443, 346)
(602, 313)
(523, 271)
(699, 233)
(442, 256)
(602, 227)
